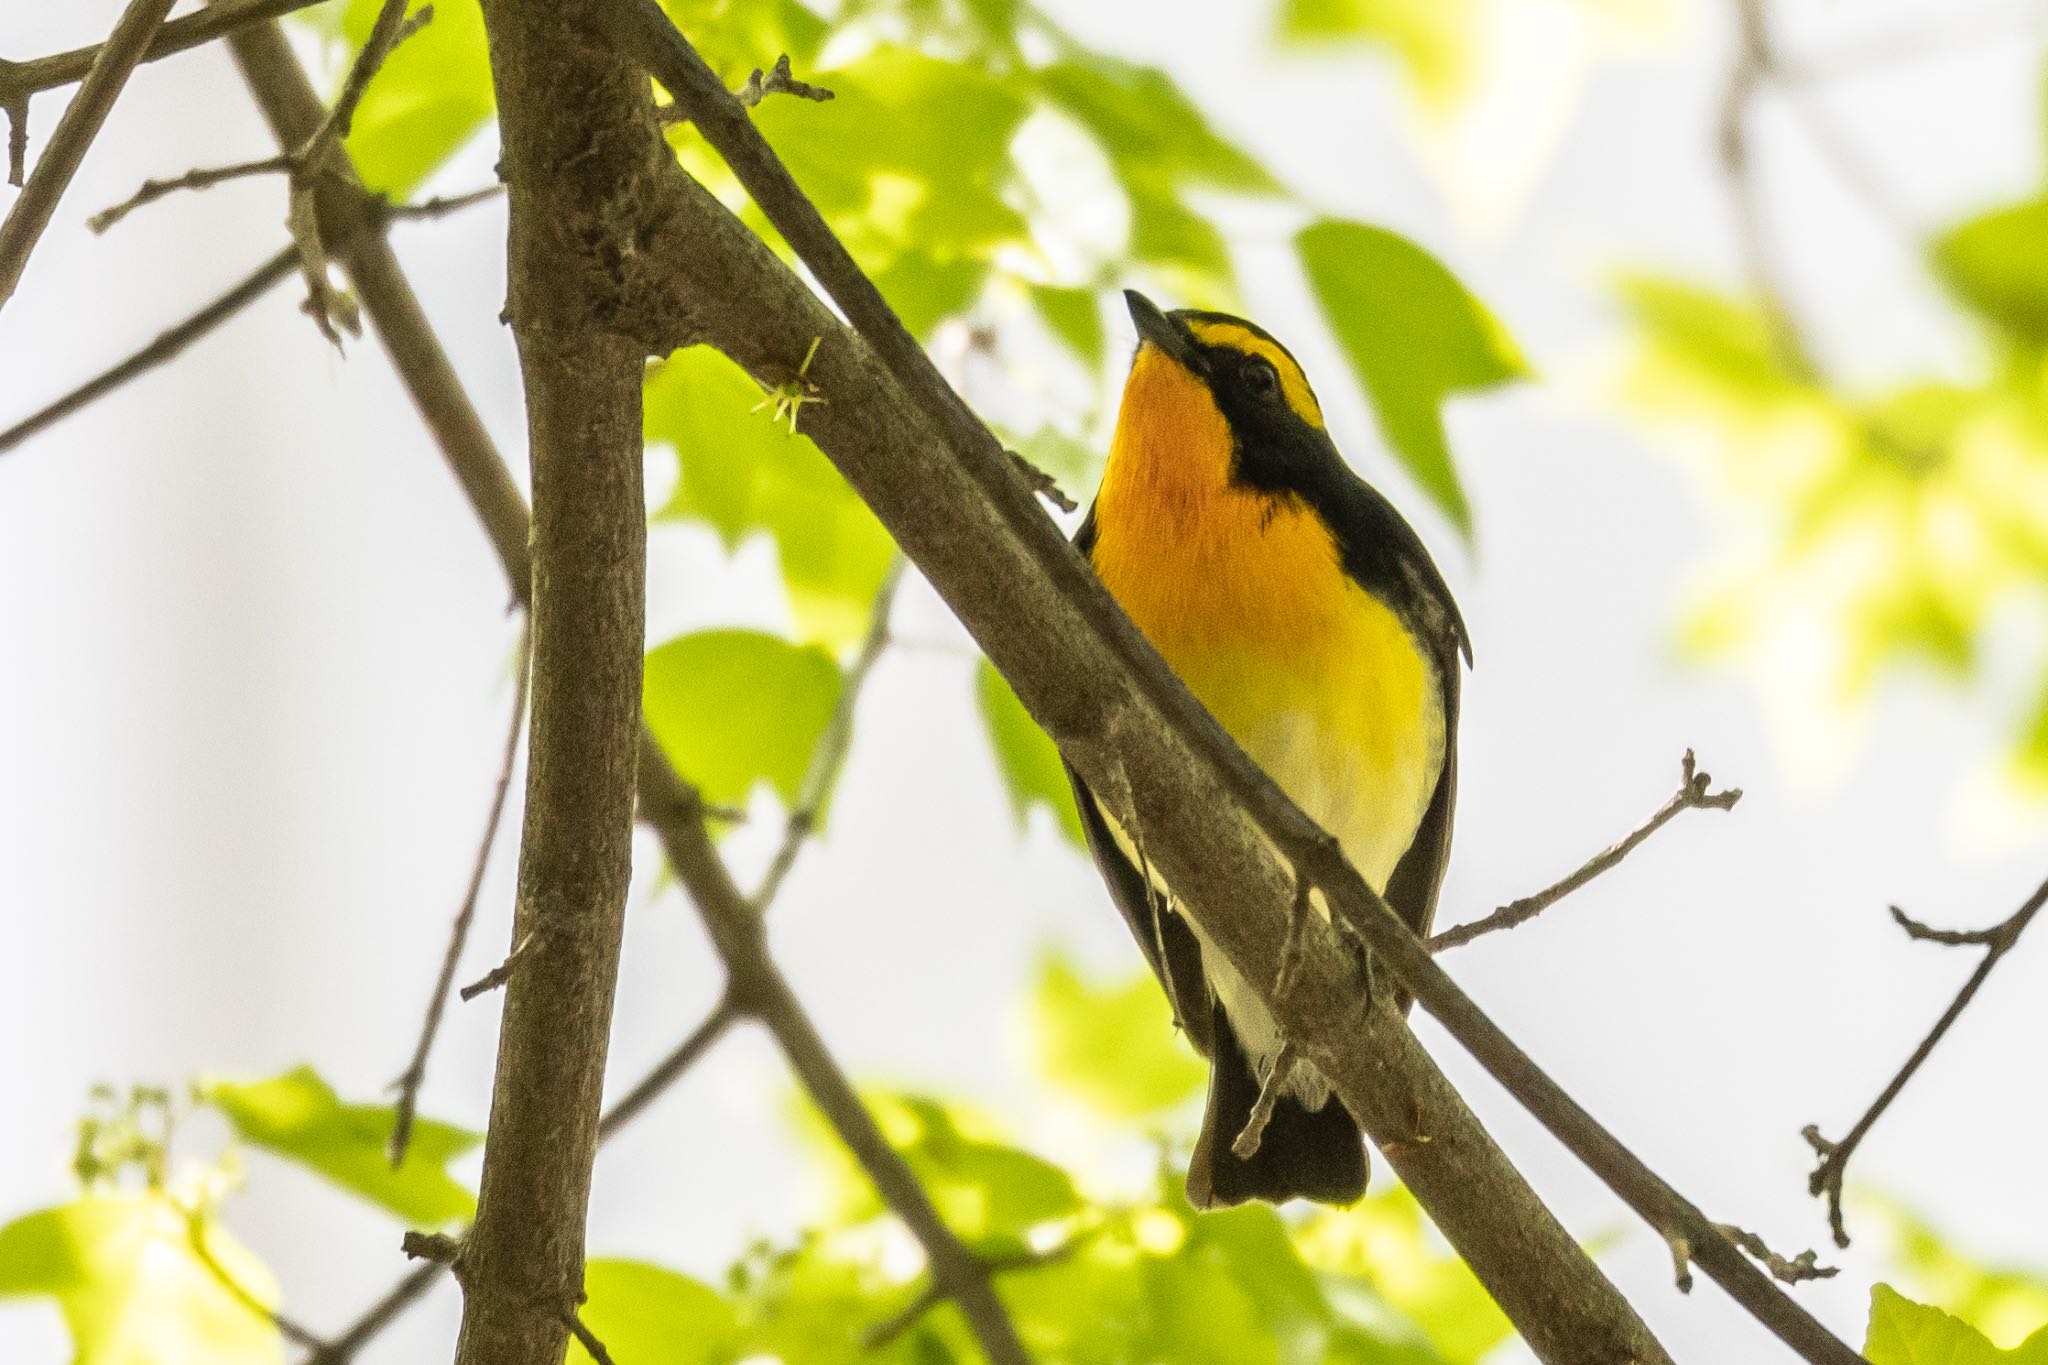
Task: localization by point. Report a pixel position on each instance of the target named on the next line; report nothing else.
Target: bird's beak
(1162, 331)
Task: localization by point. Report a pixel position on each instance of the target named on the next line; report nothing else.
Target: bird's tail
(1306, 1154)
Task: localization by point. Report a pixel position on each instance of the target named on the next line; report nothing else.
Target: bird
(1306, 614)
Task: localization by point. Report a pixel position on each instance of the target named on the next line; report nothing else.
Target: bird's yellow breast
(1245, 596)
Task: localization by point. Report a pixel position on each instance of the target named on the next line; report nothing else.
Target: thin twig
(80, 124)
(292, 1331)
(931, 1295)
(168, 346)
(415, 1073)
(414, 1285)
(496, 977)
(778, 81)
(1796, 1270)
(1694, 793)
(758, 87)
(581, 1331)
(1753, 65)
(200, 178)
(172, 342)
(828, 756)
(1245, 1145)
(1043, 484)
(19, 80)
(1996, 941)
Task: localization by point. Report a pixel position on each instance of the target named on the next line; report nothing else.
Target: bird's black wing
(1169, 945)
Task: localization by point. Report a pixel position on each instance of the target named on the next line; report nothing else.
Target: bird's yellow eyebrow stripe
(1293, 383)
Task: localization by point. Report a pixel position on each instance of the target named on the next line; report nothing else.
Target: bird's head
(1213, 400)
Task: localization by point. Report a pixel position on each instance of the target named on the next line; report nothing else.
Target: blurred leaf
(124, 1271)
(1709, 333)
(911, 150)
(1414, 337)
(1435, 40)
(1075, 317)
(988, 1191)
(1384, 1242)
(1114, 1047)
(741, 472)
(1072, 462)
(1028, 760)
(732, 708)
(735, 36)
(297, 1116)
(1906, 1333)
(925, 290)
(644, 1314)
(815, 1303)
(1144, 120)
(430, 97)
(1998, 265)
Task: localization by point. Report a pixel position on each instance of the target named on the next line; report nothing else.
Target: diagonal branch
(75, 131)
(1996, 941)
(415, 1074)
(172, 342)
(1694, 793)
(960, 510)
(19, 80)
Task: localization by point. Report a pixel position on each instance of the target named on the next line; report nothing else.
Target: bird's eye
(1260, 377)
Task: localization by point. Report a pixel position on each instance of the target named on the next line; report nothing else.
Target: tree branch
(1996, 941)
(75, 131)
(828, 758)
(521, 1267)
(167, 347)
(1693, 793)
(415, 1074)
(956, 504)
(172, 342)
(666, 801)
(19, 80)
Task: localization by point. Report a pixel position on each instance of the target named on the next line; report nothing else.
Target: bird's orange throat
(1203, 565)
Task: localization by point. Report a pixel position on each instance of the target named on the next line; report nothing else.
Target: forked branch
(1996, 941)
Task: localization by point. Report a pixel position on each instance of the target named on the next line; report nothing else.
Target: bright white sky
(253, 691)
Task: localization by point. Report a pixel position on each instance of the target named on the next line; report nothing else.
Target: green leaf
(1997, 264)
(1114, 1047)
(430, 97)
(742, 472)
(132, 1287)
(989, 1192)
(1144, 120)
(297, 1116)
(1075, 317)
(912, 150)
(736, 38)
(1713, 335)
(732, 708)
(1028, 760)
(2004, 1302)
(1437, 41)
(1906, 1333)
(926, 290)
(1414, 336)
(643, 1313)
(1383, 1245)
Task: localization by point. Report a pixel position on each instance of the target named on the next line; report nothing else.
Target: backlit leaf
(643, 1313)
(1414, 337)
(1114, 1047)
(297, 1116)
(430, 97)
(1075, 317)
(133, 1288)
(1028, 760)
(1906, 1333)
(741, 472)
(1998, 265)
(732, 708)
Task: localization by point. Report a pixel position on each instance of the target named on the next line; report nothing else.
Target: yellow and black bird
(1304, 612)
